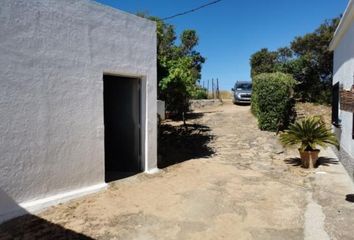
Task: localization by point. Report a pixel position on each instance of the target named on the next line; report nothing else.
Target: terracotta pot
(309, 158)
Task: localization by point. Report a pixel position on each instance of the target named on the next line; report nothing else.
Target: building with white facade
(77, 100)
(343, 87)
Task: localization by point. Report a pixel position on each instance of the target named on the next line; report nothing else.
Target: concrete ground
(241, 184)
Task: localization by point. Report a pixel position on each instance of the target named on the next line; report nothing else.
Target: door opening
(335, 104)
(122, 127)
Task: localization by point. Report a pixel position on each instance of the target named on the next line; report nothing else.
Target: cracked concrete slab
(314, 221)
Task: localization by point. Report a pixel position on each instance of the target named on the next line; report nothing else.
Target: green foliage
(315, 81)
(272, 101)
(189, 40)
(200, 93)
(263, 61)
(177, 85)
(309, 133)
(307, 59)
(178, 66)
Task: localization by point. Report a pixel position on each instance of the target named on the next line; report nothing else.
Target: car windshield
(244, 86)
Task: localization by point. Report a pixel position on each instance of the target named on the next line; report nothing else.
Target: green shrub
(272, 101)
(309, 133)
(200, 93)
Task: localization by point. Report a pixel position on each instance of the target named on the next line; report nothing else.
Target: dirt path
(237, 187)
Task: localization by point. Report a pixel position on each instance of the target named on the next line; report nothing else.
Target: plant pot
(309, 158)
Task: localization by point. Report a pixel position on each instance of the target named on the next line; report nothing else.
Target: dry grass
(311, 109)
(225, 95)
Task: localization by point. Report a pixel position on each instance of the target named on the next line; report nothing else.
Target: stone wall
(197, 104)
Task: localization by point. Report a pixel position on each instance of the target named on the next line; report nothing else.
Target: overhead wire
(192, 10)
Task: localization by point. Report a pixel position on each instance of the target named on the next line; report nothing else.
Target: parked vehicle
(242, 92)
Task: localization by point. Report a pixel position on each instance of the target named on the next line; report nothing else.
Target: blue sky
(231, 30)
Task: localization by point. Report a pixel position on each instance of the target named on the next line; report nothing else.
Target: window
(243, 86)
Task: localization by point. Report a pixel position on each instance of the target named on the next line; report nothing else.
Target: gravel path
(239, 184)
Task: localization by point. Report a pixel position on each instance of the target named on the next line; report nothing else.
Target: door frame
(142, 113)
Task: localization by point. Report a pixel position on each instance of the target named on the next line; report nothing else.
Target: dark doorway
(122, 127)
(335, 104)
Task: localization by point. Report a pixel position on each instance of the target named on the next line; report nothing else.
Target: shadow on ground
(190, 115)
(349, 198)
(293, 161)
(177, 144)
(194, 115)
(322, 161)
(242, 104)
(33, 227)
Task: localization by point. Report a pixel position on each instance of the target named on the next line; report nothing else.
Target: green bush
(200, 93)
(272, 101)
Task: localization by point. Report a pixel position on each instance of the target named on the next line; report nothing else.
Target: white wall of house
(52, 58)
(344, 74)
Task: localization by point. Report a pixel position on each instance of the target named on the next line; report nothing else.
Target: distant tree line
(307, 59)
(178, 67)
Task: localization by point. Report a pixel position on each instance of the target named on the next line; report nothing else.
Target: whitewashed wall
(52, 58)
(344, 73)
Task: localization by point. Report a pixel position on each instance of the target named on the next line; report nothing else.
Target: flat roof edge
(107, 7)
(343, 25)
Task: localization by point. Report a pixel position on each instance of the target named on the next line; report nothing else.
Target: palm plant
(309, 133)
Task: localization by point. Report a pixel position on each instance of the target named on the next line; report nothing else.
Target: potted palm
(309, 132)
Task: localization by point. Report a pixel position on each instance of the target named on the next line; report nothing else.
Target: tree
(178, 66)
(312, 49)
(307, 59)
(180, 72)
(263, 61)
(178, 85)
(189, 40)
(284, 55)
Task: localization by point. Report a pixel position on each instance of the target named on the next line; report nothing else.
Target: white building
(343, 80)
(77, 100)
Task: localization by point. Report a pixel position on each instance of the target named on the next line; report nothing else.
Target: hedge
(272, 101)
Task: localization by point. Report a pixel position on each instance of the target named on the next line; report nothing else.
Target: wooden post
(217, 88)
(208, 88)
